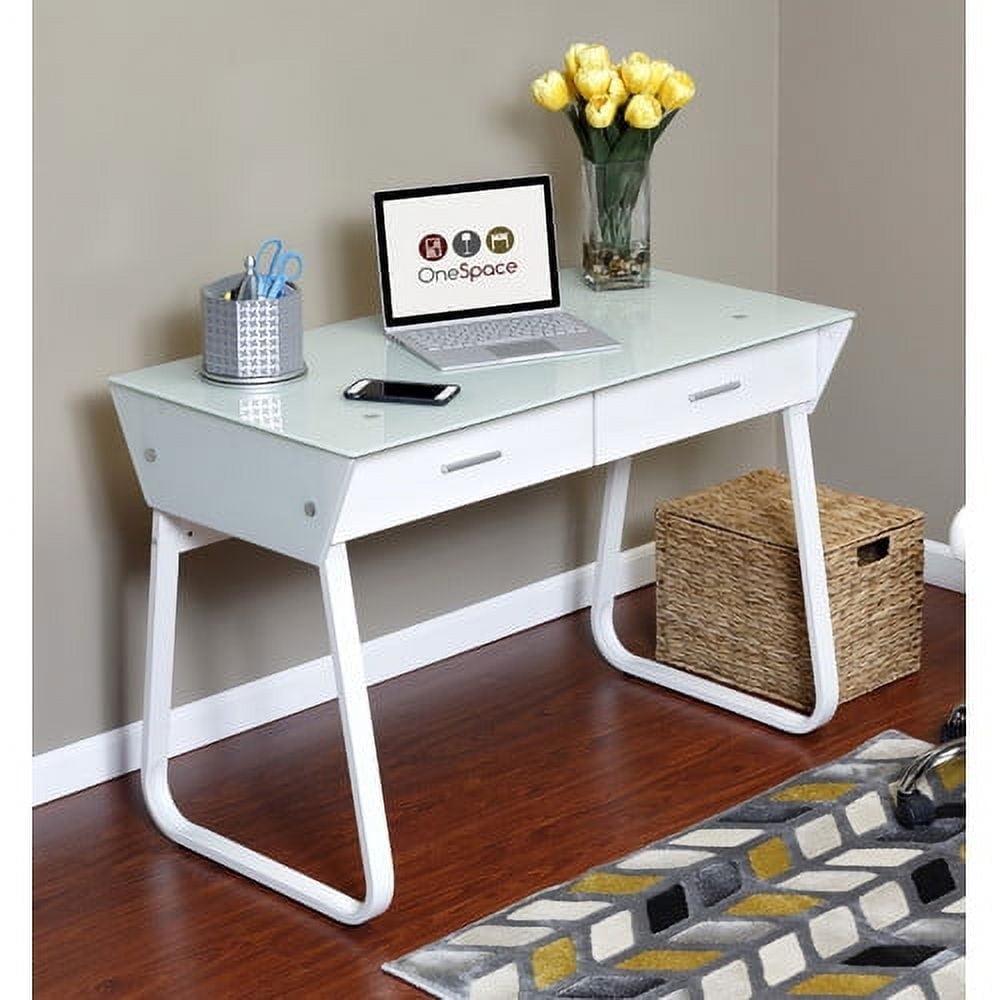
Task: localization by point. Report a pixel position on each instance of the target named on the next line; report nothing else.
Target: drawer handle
(716, 390)
(465, 463)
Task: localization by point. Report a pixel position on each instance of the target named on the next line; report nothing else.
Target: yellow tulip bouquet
(617, 111)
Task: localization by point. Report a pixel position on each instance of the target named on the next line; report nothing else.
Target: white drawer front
(653, 411)
(416, 480)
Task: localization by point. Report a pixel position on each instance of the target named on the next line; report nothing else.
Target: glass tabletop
(677, 321)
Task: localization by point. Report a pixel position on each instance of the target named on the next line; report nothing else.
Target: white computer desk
(298, 469)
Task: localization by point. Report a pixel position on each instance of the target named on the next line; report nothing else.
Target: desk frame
(172, 536)
(189, 459)
(798, 451)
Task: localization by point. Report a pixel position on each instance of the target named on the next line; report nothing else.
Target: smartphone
(376, 390)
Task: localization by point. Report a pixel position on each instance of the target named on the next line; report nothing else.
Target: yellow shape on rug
(773, 904)
(552, 962)
(612, 884)
(840, 984)
(770, 859)
(669, 960)
(814, 791)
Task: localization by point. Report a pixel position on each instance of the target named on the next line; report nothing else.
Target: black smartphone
(377, 390)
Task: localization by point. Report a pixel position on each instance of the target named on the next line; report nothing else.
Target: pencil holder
(250, 342)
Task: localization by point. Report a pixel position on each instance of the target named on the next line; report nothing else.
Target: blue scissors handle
(273, 247)
(293, 259)
(283, 266)
(289, 268)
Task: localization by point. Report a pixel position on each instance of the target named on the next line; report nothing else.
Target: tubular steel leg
(171, 537)
(817, 604)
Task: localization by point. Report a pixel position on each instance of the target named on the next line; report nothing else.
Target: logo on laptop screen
(500, 239)
(466, 243)
(433, 246)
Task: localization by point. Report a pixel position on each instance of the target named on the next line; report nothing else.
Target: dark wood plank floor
(506, 769)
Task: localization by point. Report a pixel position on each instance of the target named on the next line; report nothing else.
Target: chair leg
(169, 540)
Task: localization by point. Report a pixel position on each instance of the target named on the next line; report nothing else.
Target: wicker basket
(729, 592)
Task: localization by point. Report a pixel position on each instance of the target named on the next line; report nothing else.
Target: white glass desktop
(297, 468)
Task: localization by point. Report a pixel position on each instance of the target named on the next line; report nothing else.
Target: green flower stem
(620, 154)
(616, 188)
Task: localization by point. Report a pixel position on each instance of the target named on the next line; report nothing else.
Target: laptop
(469, 277)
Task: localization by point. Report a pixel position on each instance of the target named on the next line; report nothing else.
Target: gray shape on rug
(716, 881)
(610, 986)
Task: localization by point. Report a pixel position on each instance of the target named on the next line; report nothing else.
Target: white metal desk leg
(817, 604)
(169, 540)
(812, 563)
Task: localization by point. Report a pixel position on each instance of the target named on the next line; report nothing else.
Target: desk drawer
(428, 477)
(653, 411)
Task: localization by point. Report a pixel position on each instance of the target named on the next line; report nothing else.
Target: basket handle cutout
(872, 552)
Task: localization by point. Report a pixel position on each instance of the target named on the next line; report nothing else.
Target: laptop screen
(465, 250)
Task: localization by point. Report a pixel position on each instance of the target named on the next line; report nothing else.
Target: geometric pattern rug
(809, 890)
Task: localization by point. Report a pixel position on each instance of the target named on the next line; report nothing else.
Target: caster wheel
(914, 809)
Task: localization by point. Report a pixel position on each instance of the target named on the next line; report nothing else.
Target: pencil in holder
(251, 341)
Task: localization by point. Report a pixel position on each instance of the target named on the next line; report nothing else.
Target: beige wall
(870, 210)
(152, 177)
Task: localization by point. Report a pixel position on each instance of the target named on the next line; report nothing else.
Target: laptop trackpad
(522, 348)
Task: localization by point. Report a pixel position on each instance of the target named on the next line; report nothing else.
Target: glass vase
(616, 224)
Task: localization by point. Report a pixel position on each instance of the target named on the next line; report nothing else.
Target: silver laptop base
(529, 337)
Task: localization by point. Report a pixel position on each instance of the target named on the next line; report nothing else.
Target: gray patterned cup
(252, 342)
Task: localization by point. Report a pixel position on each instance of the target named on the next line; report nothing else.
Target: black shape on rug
(933, 880)
(903, 956)
(666, 908)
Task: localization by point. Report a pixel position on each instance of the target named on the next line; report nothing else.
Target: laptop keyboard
(547, 326)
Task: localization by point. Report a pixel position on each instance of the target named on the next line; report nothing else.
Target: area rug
(809, 890)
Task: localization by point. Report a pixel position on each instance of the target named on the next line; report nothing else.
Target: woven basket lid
(759, 505)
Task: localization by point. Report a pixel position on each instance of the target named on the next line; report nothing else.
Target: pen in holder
(251, 341)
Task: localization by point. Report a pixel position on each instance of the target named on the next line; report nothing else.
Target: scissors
(283, 266)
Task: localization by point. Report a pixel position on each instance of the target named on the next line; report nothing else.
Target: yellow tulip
(571, 61)
(617, 90)
(592, 82)
(593, 57)
(635, 71)
(601, 111)
(643, 111)
(550, 91)
(659, 70)
(677, 89)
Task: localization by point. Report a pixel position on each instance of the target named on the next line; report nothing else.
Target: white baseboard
(107, 755)
(942, 568)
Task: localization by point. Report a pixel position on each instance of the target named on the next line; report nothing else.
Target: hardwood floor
(506, 768)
